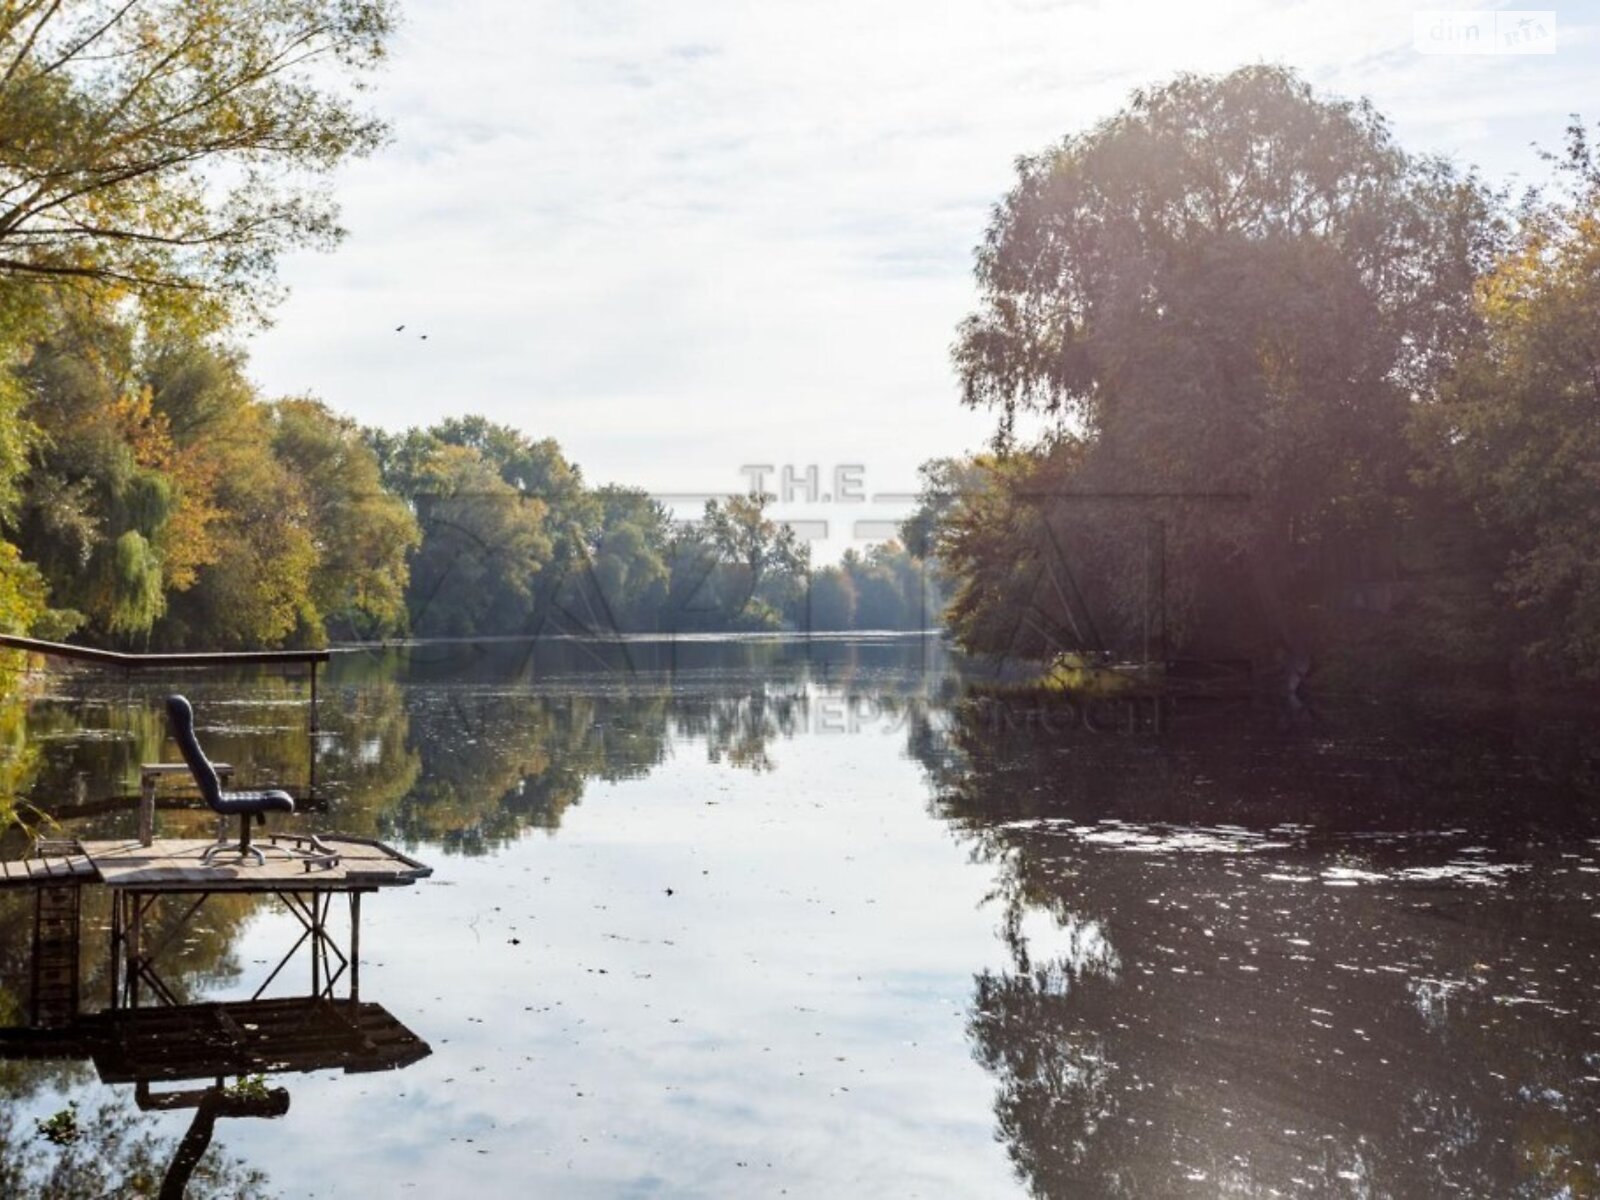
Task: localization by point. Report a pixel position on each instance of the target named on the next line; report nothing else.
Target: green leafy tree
(880, 604)
(174, 148)
(628, 567)
(362, 533)
(539, 471)
(96, 503)
(484, 544)
(1514, 429)
(1231, 285)
(760, 559)
(832, 600)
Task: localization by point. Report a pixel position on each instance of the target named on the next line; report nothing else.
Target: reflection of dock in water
(295, 1034)
(248, 1039)
(168, 1043)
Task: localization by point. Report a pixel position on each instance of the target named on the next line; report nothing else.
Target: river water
(774, 917)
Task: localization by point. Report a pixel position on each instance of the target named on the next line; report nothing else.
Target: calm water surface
(767, 918)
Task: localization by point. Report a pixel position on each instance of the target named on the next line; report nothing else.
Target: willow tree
(1235, 285)
(175, 148)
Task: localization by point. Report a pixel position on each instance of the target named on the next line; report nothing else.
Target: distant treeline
(159, 501)
(1305, 397)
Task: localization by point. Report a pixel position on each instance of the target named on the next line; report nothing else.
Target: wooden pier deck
(174, 865)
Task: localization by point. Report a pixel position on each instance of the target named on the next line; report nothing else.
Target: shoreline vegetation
(1306, 397)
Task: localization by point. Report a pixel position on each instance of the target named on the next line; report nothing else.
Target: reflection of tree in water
(739, 730)
(494, 763)
(87, 734)
(366, 763)
(1195, 1022)
(19, 756)
(1055, 1092)
(115, 1154)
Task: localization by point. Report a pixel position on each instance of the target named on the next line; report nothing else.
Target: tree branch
(27, 45)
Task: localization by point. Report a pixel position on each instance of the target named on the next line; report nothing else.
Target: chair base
(242, 849)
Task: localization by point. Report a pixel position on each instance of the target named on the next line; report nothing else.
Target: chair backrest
(180, 721)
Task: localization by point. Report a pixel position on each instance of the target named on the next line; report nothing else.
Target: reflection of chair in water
(180, 718)
(211, 1042)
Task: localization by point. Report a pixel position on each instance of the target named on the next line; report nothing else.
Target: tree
(539, 471)
(255, 586)
(483, 546)
(764, 554)
(879, 601)
(259, 591)
(1514, 428)
(172, 147)
(628, 566)
(832, 599)
(362, 533)
(98, 501)
(1231, 286)
(758, 561)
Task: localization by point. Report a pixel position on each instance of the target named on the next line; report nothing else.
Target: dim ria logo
(1477, 31)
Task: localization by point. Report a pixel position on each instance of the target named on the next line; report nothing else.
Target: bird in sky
(398, 328)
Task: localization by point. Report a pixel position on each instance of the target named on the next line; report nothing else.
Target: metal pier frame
(133, 963)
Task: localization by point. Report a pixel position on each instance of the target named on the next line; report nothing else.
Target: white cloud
(681, 238)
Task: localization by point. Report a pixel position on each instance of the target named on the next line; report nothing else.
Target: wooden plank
(45, 872)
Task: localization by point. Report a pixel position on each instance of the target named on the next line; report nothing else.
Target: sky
(689, 238)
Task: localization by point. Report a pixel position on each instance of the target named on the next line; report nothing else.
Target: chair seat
(254, 802)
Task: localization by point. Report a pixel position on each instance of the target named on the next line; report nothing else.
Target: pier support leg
(147, 808)
(115, 972)
(355, 946)
(135, 921)
(318, 911)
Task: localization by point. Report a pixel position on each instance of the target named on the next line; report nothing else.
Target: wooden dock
(174, 865)
(303, 873)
